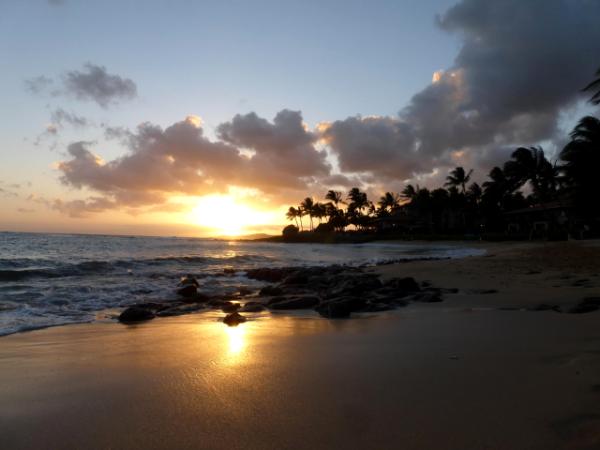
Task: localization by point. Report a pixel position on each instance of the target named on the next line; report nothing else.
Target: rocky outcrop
(233, 319)
(136, 314)
(301, 302)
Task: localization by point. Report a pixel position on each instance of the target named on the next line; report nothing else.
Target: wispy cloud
(91, 83)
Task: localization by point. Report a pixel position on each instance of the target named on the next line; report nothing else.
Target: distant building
(552, 220)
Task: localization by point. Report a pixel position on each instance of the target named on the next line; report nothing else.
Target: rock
(406, 284)
(244, 290)
(229, 307)
(354, 284)
(299, 277)
(233, 319)
(187, 291)
(136, 314)
(334, 310)
(252, 307)
(272, 275)
(303, 302)
(425, 297)
(377, 307)
(270, 290)
(189, 281)
(179, 310)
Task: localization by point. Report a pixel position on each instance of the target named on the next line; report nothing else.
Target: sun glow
(225, 216)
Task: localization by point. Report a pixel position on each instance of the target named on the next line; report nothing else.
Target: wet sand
(462, 374)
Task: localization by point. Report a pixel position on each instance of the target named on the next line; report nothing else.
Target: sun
(226, 216)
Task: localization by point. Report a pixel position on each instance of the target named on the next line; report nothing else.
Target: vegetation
(527, 182)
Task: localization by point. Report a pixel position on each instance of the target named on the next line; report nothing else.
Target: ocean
(56, 279)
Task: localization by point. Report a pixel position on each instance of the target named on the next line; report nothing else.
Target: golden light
(225, 216)
(237, 339)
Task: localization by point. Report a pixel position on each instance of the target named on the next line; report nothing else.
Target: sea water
(55, 279)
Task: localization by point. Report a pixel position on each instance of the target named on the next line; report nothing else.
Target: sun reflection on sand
(237, 341)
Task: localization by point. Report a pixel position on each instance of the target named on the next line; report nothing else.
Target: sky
(211, 118)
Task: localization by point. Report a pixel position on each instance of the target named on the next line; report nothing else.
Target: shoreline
(478, 370)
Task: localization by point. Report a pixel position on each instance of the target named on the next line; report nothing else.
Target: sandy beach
(477, 371)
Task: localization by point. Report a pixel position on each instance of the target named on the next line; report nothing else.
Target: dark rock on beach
(270, 290)
(179, 310)
(334, 310)
(189, 281)
(233, 319)
(272, 275)
(136, 314)
(407, 284)
(303, 302)
(189, 290)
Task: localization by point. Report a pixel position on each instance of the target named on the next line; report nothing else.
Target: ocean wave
(99, 267)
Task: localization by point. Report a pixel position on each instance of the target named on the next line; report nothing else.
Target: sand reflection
(236, 340)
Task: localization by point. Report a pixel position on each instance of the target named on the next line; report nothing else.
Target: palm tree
(388, 202)
(358, 199)
(530, 164)
(409, 192)
(581, 159)
(458, 178)
(334, 196)
(474, 193)
(292, 214)
(308, 206)
(596, 86)
(319, 211)
(301, 213)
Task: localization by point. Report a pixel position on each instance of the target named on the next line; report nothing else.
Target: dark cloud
(382, 145)
(92, 83)
(180, 160)
(96, 84)
(521, 63)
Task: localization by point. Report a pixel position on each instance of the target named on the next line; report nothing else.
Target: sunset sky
(211, 118)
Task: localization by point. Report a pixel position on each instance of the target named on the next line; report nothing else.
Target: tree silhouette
(581, 158)
(292, 214)
(307, 206)
(334, 196)
(409, 192)
(458, 178)
(530, 164)
(388, 202)
(594, 86)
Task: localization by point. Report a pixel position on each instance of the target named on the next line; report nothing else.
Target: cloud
(519, 66)
(38, 85)
(96, 84)
(285, 145)
(60, 117)
(92, 83)
(382, 145)
(180, 160)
